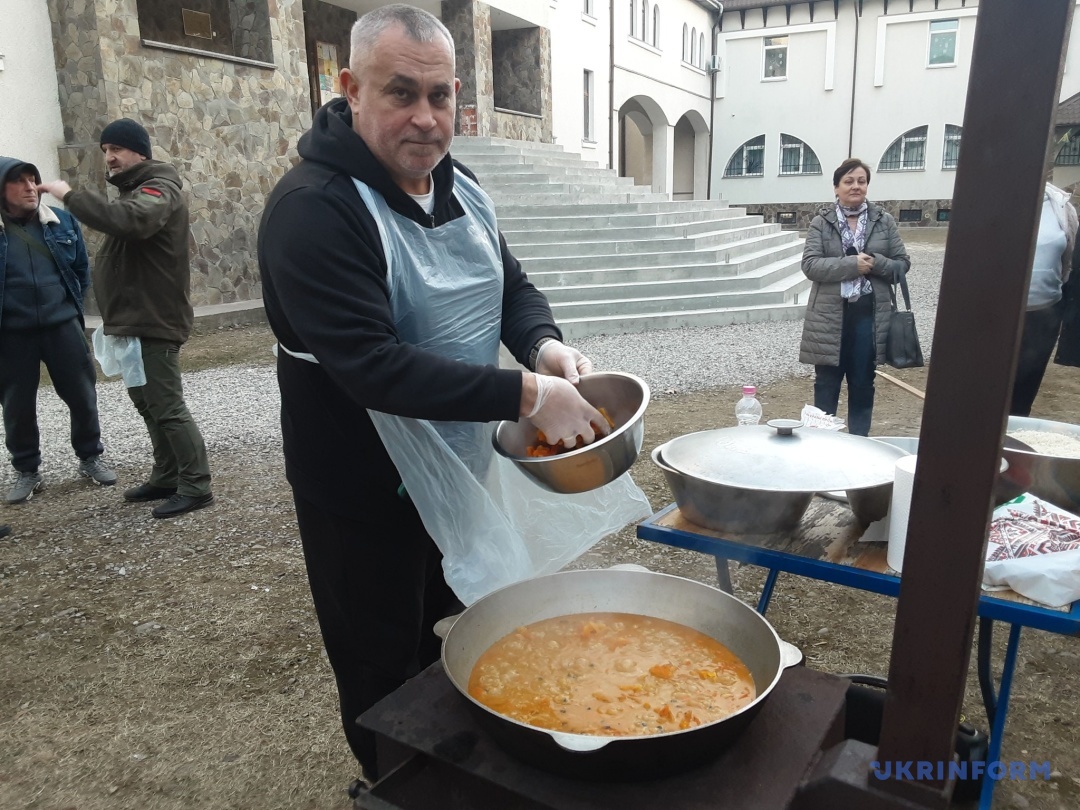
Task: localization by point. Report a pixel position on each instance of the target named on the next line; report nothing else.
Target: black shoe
(5, 531)
(357, 787)
(182, 504)
(148, 492)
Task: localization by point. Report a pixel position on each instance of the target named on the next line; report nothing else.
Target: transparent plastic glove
(562, 414)
(560, 360)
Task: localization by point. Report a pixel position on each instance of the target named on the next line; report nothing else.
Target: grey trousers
(179, 450)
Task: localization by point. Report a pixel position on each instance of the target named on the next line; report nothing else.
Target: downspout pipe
(611, 86)
(719, 10)
(854, 73)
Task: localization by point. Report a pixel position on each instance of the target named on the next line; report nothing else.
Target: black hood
(333, 142)
(9, 165)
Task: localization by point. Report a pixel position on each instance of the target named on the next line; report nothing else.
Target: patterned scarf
(853, 289)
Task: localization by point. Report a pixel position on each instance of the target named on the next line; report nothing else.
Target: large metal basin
(1053, 478)
(733, 509)
(706, 609)
(760, 480)
(625, 398)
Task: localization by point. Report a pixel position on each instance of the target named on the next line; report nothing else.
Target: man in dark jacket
(374, 572)
(44, 275)
(142, 280)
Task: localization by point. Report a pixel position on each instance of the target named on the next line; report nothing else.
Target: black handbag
(902, 348)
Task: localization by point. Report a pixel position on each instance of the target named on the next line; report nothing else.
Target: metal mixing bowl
(1053, 478)
(625, 398)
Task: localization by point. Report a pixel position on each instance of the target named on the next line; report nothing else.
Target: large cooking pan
(708, 610)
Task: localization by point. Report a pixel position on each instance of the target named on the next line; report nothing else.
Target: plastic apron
(493, 524)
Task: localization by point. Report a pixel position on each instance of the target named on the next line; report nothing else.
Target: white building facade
(30, 127)
(803, 86)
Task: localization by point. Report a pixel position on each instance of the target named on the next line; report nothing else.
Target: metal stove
(437, 757)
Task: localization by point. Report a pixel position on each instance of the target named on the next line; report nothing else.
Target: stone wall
(469, 23)
(516, 69)
(804, 212)
(229, 129)
(519, 127)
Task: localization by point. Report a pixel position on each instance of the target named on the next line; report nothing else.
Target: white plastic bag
(495, 526)
(120, 356)
(1034, 549)
(817, 418)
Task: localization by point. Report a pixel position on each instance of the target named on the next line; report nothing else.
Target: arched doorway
(690, 161)
(645, 143)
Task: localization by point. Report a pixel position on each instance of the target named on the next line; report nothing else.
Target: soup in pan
(611, 674)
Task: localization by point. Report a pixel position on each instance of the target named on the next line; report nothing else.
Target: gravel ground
(752, 354)
(237, 406)
(177, 664)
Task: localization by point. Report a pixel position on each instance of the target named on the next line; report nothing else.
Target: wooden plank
(1008, 121)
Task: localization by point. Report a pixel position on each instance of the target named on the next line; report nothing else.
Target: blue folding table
(825, 547)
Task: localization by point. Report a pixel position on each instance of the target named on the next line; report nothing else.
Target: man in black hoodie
(374, 572)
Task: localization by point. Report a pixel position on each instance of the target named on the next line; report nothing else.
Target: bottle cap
(749, 390)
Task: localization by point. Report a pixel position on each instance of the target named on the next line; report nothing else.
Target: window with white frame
(588, 8)
(796, 157)
(950, 153)
(906, 153)
(701, 51)
(748, 160)
(644, 21)
(693, 46)
(774, 58)
(941, 51)
(633, 16)
(685, 43)
(656, 26)
(588, 128)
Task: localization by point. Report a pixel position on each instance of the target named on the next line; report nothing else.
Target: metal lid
(783, 456)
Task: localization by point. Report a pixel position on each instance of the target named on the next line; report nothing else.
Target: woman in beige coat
(853, 254)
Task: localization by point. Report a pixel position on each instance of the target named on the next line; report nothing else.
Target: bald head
(417, 24)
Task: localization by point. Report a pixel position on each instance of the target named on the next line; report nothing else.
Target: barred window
(796, 157)
(1069, 154)
(748, 160)
(906, 153)
(950, 154)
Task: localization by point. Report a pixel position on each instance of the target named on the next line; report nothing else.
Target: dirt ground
(178, 664)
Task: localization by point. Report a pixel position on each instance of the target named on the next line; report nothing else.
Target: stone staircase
(615, 258)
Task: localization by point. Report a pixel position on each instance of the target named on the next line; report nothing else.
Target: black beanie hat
(128, 134)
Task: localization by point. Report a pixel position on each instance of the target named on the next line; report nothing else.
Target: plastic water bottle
(748, 410)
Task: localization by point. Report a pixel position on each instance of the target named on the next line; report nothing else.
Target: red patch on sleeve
(153, 192)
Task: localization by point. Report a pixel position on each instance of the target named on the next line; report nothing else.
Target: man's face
(20, 195)
(119, 158)
(403, 103)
